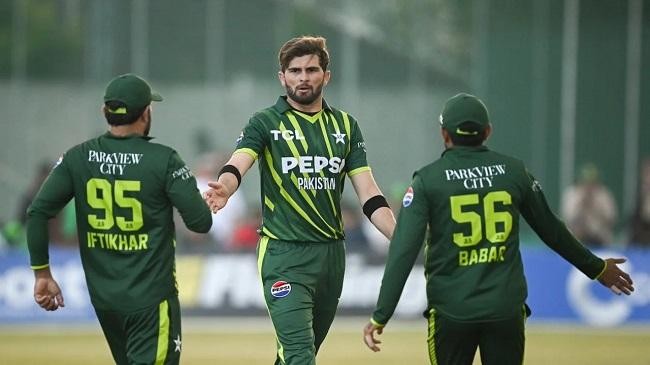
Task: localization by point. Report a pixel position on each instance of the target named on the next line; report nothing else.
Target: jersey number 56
(492, 218)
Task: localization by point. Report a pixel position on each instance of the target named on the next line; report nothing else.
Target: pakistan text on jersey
(113, 163)
(316, 183)
(476, 177)
(117, 242)
(483, 255)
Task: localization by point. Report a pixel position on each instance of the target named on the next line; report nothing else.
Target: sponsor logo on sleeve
(280, 289)
(408, 197)
(184, 173)
(58, 162)
(241, 136)
(362, 145)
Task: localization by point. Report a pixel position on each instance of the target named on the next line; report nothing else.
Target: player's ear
(148, 111)
(488, 131)
(145, 116)
(327, 76)
(282, 80)
(445, 136)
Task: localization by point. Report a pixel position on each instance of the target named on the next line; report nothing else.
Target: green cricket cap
(462, 108)
(131, 90)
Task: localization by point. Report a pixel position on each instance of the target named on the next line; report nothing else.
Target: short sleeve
(356, 160)
(252, 139)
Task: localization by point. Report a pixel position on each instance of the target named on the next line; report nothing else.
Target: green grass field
(250, 342)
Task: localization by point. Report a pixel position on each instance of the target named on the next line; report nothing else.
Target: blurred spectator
(640, 232)
(246, 233)
(42, 170)
(4, 242)
(12, 235)
(355, 239)
(63, 228)
(228, 218)
(589, 209)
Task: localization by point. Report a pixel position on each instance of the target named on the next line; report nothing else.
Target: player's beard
(305, 99)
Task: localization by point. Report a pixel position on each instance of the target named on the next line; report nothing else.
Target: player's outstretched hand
(217, 196)
(47, 293)
(617, 280)
(369, 336)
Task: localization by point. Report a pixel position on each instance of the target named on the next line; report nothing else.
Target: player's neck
(313, 107)
(126, 130)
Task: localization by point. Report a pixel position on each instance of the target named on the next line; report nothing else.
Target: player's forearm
(401, 258)
(555, 234)
(195, 214)
(404, 249)
(373, 203)
(37, 240)
(229, 183)
(567, 246)
(384, 220)
(241, 162)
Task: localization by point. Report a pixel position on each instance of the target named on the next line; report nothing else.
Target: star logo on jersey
(340, 137)
(177, 341)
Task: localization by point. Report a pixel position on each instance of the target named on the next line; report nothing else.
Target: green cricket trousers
(302, 284)
(453, 342)
(149, 336)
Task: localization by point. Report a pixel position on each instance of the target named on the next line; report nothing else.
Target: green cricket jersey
(303, 160)
(471, 199)
(124, 190)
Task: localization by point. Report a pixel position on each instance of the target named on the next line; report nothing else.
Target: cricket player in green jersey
(124, 188)
(470, 200)
(305, 148)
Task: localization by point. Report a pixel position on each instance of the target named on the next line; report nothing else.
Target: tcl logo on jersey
(280, 289)
(287, 135)
(310, 164)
